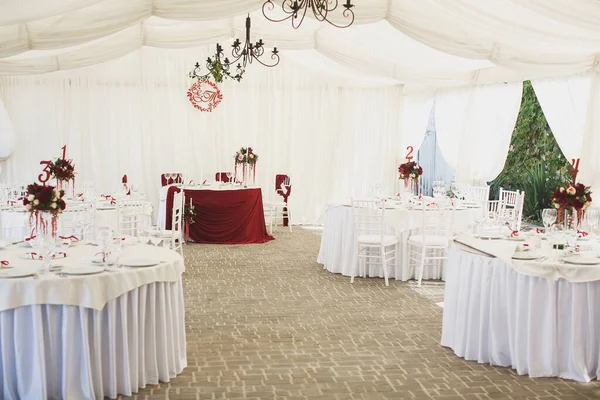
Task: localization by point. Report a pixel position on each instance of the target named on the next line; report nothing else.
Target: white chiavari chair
(175, 236)
(429, 247)
(476, 196)
(372, 244)
(132, 215)
(77, 220)
(276, 211)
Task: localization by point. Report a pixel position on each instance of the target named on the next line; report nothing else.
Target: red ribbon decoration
(204, 95)
(574, 169)
(103, 256)
(69, 237)
(583, 234)
(4, 263)
(513, 233)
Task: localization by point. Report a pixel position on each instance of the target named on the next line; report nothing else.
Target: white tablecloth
(538, 326)
(337, 252)
(87, 337)
(91, 291)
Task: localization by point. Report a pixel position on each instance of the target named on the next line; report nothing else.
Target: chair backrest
(518, 212)
(368, 217)
(170, 178)
(437, 218)
(177, 216)
(222, 177)
(508, 197)
(476, 196)
(285, 181)
(131, 216)
(75, 220)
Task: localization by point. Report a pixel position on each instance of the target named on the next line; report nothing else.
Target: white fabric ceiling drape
(336, 141)
(468, 41)
(474, 126)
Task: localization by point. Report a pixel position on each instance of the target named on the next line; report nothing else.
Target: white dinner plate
(83, 270)
(525, 255)
(138, 262)
(20, 272)
(582, 260)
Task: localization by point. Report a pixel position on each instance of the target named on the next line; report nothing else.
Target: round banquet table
(91, 336)
(337, 252)
(529, 317)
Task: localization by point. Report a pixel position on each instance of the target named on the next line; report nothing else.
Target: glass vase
(568, 218)
(45, 232)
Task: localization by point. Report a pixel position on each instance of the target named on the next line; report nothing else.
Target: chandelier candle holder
(296, 11)
(242, 53)
(246, 159)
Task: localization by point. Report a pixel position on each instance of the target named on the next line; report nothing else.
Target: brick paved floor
(267, 322)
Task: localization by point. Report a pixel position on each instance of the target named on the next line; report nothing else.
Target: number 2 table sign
(409, 150)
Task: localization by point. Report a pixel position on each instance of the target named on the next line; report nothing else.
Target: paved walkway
(267, 322)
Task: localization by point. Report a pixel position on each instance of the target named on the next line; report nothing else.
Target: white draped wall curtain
(108, 78)
(572, 108)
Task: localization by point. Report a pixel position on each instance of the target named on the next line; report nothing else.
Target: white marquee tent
(108, 78)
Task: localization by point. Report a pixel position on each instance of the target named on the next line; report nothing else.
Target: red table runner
(224, 216)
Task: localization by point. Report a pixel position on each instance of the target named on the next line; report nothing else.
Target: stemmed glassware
(549, 217)
(168, 177)
(229, 178)
(377, 187)
(592, 219)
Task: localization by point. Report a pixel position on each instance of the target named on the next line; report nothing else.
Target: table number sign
(409, 150)
(46, 174)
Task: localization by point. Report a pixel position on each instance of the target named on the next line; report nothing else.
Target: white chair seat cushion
(429, 240)
(169, 233)
(388, 240)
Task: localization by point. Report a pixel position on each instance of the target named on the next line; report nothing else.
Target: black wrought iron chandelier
(296, 10)
(243, 53)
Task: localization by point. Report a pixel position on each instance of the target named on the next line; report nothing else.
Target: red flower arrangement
(576, 196)
(245, 155)
(62, 170)
(410, 170)
(47, 199)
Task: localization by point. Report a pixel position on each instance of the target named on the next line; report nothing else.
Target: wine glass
(112, 256)
(549, 217)
(143, 234)
(592, 219)
(377, 187)
(229, 177)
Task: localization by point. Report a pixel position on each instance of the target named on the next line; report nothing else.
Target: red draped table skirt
(224, 216)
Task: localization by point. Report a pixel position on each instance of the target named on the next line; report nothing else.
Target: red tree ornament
(204, 95)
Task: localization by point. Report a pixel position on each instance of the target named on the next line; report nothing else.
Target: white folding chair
(175, 235)
(430, 246)
(371, 242)
(132, 215)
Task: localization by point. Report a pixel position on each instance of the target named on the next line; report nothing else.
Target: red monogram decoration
(204, 95)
